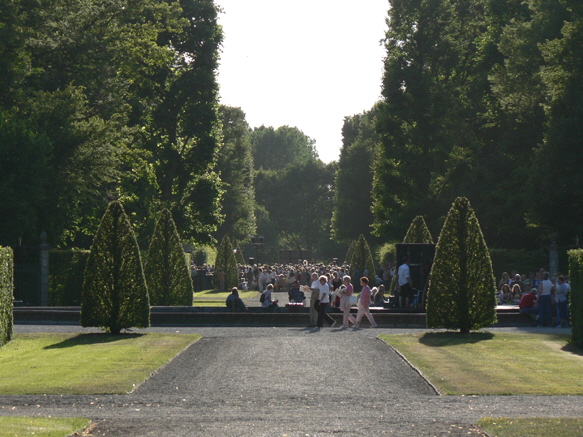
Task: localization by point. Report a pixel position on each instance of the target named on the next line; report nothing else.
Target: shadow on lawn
(440, 339)
(573, 349)
(85, 339)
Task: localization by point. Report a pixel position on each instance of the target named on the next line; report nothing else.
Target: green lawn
(506, 427)
(494, 364)
(212, 298)
(84, 363)
(41, 426)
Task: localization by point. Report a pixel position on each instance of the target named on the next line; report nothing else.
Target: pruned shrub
(362, 258)
(225, 274)
(418, 232)
(576, 295)
(462, 288)
(166, 268)
(6, 294)
(115, 295)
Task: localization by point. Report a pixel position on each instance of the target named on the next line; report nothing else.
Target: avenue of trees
(103, 101)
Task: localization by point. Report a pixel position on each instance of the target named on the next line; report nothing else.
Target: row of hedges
(6, 294)
(576, 295)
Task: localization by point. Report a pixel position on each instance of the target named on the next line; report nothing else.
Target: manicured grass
(494, 364)
(41, 426)
(505, 427)
(84, 363)
(212, 298)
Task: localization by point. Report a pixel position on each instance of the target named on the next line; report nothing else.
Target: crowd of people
(539, 295)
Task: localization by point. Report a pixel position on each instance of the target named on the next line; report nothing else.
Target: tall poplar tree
(115, 295)
(462, 287)
(166, 268)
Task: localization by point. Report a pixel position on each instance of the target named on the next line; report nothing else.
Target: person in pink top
(345, 294)
(364, 303)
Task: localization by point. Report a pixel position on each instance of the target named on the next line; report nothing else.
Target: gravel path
(285, 382)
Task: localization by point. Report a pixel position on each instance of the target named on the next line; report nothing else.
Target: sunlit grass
(41, 426)
(523, 427)
(84, 363)
(494, 364)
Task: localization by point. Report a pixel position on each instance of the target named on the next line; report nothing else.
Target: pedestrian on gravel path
(345, 305)
(364, 304)
(324, 299)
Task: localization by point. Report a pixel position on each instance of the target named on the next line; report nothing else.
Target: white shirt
(324, 293)
(404, 274)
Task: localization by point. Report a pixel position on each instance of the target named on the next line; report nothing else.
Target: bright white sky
(303, 63)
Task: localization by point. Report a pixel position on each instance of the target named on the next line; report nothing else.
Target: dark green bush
(462, 288)
(418, 232)
(362, 259)
(166, 268)
(523, 261)
(225, 263)
(6, 294)
(115, 295)
(66, 269)
(576, 295)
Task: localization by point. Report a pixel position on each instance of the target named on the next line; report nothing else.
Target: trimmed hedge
(66, 276)
(523, 261)
(462, 289)
(6, 294)
(418, 232)
(576, 295)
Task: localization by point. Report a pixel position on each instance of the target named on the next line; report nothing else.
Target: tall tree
(235, 164)
(166, 269)
(462, 288)
(115, 295)
(352, 199)
(273, 149)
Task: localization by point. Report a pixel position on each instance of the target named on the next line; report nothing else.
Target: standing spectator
(404, 279)
(324, 297)
(561, 293)
(364, 304)
(345, 305)
(545, 302)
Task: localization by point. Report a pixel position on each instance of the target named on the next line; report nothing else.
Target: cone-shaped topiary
(239, 257)
(462, 288)
(225, 274)
(115, 295)
(6, 294)
(362, 259)
(166, 269)
(349, 252)
(418, 232)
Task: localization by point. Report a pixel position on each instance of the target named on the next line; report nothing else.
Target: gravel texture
(286, 382)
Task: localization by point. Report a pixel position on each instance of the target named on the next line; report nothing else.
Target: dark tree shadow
(95, 338)
(573, 349)
(440, 339)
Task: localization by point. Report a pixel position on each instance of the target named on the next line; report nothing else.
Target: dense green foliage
(576, 295)
(482, 99)
(225, 274)
(66, 268)
(235, 164)
(115, 295)
(6, 294)
(166, 269)
(108, 100)
(462, 288)
(352, 215)
(418, 232)
(362, 259)
(274, 149)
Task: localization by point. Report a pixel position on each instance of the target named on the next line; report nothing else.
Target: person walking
(404, 279)
(364, 304)
(345, 294)
(315, 294)
(324, 298)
